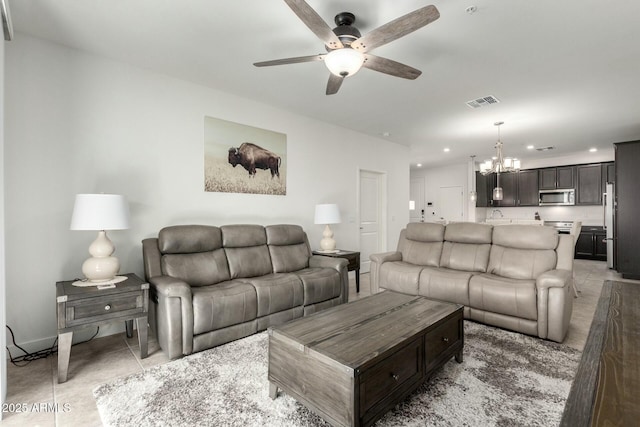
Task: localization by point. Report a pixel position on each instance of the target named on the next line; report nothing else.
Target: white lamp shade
(344, 62)
(327, 214)
(100, 212)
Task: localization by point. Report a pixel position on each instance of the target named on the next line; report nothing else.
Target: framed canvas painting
(243, 159)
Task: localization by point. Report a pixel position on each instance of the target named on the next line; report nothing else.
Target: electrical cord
(27, 357)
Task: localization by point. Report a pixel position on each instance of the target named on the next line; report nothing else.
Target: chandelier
(499, 164)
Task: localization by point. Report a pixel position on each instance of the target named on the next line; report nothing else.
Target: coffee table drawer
(443, 337)
(399, 368)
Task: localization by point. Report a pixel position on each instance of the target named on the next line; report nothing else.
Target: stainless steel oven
(559, 197)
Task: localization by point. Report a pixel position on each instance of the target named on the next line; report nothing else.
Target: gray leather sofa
(516, 277)
(211, 285)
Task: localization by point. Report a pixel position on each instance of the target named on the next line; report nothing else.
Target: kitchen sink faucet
(493, 212)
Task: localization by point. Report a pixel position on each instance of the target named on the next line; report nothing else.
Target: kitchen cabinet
(558, 177)
(519, 188)
(591, 243)
(528, 188)
(608, 174)
(484, 195)
(589, 184)
(627, 232)
(509, 184)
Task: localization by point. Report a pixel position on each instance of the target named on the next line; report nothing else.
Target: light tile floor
(104, 359)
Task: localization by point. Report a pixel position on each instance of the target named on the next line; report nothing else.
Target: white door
(416, 194)
(451, 204)
(372, 221)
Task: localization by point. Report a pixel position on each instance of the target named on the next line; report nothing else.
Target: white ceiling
(566, 71)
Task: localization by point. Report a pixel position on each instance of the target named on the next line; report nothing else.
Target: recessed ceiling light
(386, 134)
(530, 147)
(593, 150)
(419, 165)
(446, 150)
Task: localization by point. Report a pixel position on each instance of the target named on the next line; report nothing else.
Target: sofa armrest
(339, 264)
(376, 262)
(174, 315)
(386, 257)
(554, 279)
(555, 304)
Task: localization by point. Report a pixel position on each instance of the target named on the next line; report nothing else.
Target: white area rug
(507, 379)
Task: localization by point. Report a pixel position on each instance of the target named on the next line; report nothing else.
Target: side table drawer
(401, 367)
(103, 307)
(441, 339)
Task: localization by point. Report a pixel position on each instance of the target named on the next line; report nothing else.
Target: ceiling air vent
(483, 102)
(545, 148)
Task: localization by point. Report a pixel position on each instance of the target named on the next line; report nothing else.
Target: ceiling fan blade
(334, 83)
(397, 28)
(295, 60)
(315, 23)
(387, 66)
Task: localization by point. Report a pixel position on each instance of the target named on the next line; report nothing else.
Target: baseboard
(47, 342)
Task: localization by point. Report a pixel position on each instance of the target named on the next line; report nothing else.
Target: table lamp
(100, 212)
(327, 214)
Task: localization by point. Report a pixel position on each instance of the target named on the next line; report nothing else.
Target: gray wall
(78, 123)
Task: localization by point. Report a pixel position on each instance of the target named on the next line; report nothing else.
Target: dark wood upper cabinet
(608, 174)
(589, 188)
(481, 189)
(509, 184)
(547, 179)
(558, 177)
(566, 177)
(528, 188)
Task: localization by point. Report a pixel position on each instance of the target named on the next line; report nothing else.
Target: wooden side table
(351, 256)
(81, 307)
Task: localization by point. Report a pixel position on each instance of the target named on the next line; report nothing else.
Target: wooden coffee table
(352, 363)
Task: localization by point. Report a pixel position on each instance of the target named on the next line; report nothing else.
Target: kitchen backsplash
(589, 215)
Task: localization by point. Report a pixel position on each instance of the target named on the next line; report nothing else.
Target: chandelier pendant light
(499, 164)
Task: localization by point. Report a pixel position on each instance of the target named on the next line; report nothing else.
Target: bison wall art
(243, 159)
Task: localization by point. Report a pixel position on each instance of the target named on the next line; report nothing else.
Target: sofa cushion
(444, 284)
(277, 292)
(421, 243)
(197, 269)
(180, 239)
(226, 304)
(243, 235)
(525, 237)
(250, 261)
(288, 248)
(246, 249)
(465, 256)
(400, 276)
(520, 263)
(468, 232)
(522, 251)
(319, 284)
(285, 234)
(501, 295)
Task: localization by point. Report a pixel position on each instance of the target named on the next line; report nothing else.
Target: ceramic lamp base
(101, 267)
(327, 243)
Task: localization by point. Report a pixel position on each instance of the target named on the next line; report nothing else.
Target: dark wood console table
(607, 383)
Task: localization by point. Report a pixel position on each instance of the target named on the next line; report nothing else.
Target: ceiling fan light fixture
(344, 62)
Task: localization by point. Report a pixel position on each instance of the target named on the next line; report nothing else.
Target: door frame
(382, 206)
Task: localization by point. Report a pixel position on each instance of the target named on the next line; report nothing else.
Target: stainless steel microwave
(559, 197)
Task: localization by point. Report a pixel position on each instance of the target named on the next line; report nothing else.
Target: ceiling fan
(347, 50)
